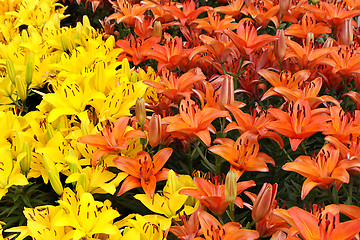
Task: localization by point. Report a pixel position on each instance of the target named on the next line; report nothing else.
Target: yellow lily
(40, 224)
(71, 99)
(9, 172)
(170, 201)
(87, 218)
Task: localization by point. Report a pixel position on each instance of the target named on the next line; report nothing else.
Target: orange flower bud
(155, 130)
(347, 33)
(284, 6)
(328, 43)
(226, 95)
(230, 187)
(157, 29)
(140, 111)
(280, 45)
(264, 201)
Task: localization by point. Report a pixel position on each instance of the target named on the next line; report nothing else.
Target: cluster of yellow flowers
(81, 85)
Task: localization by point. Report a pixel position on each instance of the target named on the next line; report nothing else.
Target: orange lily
(263, 12)
(170, 55)
(343, 124)
(134, 48)
(322, 171)
(349, 153)
(347, 61)
(355, 96)
(295, 11)
(214, 23)
(212, 195)
(192, 122)
(144, 171)
(299, 123)
(219, 48)
(326, 226)
(308, 25)
(307, 57)
(307, 91)
(284, 79)
(157, 9)
(190, 226)
(213, 230)
(112, 139)
(243, 155)
(127, 12)
(189, 11)
(247, 40)
(176, 88)
(334, 13)
(254, 122)
(234, 8)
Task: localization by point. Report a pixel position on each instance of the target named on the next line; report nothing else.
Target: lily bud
(10, 69)
(134, 77)
(72, 161)
(155, 130)
(172, 181)
(347, 33)
(284, 6)
(310, 39)
(82, 182)
(264, 201)
(328, 43)
(157, 29)
(52, 174)
(140, 111)
(226, 95)
(230, 187)
(29, 69)
(49, 131)
(25, 156)
(280, 45)
(21, 88)
(55, 181)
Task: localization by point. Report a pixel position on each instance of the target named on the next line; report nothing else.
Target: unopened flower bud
(72, 161)
(21, 88)
(328, 43)
(55, 181)
(172, 182)
(226, 95)
(155, 130)
(284, 6)
(264, 201)
(230, 187)
(310, 39)
(280, 45)
(49, 131)
(25, 157)
(347, 33)
(52, 174)
(134, 77)
(82, 182)
(157, 29)
(140, 111)
(29, 69)
(10, 69)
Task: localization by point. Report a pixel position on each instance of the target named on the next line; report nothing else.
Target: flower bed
(179, 120)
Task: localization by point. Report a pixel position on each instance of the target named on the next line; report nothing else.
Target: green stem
(288, 156)
(15, 102)
(303, 147)
(207, 164)
(351, 185)
(333, 200)
(250, 225)
(220, 219)
(344, 84)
